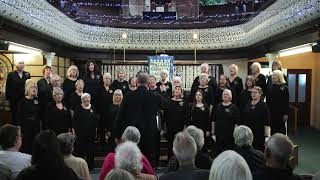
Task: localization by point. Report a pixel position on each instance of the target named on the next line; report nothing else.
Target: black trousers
(85, 149)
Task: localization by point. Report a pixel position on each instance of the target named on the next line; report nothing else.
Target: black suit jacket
(187, 173)
(139, 108)
(15, 86)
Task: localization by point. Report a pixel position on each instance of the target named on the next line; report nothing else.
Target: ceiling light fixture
(296, 50)
(22, 48)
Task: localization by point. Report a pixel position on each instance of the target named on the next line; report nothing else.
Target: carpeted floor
(309, 152)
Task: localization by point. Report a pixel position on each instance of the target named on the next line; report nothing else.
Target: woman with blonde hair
(235, 82)
(278, 102)
(164, 81)
(28, 116)
(69, 83)
(112, 112)
(260, 79)
(120, 82)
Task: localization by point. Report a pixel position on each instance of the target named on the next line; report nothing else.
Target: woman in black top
(28, 116)
(164, 82)
(200, 114)
(255, 115)
(85, 124)
(133, 84)
(245, 96)
(225, 117)
(105, 102)
(278, 103)
(206, 89)
(69, 83)
(58, 117)
(120, 82)
(75, 97)
(260, 79)
(223, 85)
(153, 84)
(176, 116)
(111, 113)
(15, 87)
(276, 65)
(93, 82)
(45, 89)
(47, 160)
(235, 82)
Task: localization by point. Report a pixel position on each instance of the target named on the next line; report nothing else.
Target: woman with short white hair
(260, 79)
(229, 165)
(226, 117)
(68, 85)
(58, 116)
(164, 81)
(28, 116)
(85, 124)
(128, 157)
(278, 102)
(105, 101)
(56, 80)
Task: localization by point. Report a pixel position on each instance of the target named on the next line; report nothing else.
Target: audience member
(10, 157)
(119, 174)
(243, 139)
(78, 165)
(47, 160)
(128, 157)
(229, 165)
(278, 150)
(185, 150)
(130, 134)
(5, 173)
(202, 160)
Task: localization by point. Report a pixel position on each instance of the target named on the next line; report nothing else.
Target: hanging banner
(159, 63)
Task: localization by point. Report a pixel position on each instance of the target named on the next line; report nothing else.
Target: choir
(95, 107)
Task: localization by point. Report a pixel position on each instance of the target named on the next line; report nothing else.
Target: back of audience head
(229, 165)
(197, 135)
(243, 136)
(278, 150)
(128, 157)
(66, 141)
(184, 149)
(10, 137)
(316, 176)
(119, 174)
(132, 134)
(46, 151)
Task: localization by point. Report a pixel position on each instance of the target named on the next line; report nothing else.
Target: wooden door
(299, 84)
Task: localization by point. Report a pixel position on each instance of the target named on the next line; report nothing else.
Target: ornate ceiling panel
(39, 15)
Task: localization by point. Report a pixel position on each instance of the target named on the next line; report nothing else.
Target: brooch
(206, 90)
(64, 108)
(35, 102)
(202, 108)
(91, 110)
(110, 91)
(181, 103)
(167, 87)
(98, 76)
(227, 109)
(124, 86)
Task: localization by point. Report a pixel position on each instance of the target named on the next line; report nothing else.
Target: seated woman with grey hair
(128, 157)
(243, 139)
(229, 165)
(202, 160)
(78, 165)
(185, 150)
(132, 134)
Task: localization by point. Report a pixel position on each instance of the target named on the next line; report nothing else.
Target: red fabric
(109, 164)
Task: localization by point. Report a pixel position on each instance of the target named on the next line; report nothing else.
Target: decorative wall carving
(41, 16)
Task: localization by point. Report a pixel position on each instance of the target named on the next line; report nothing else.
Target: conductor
(139, 109)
